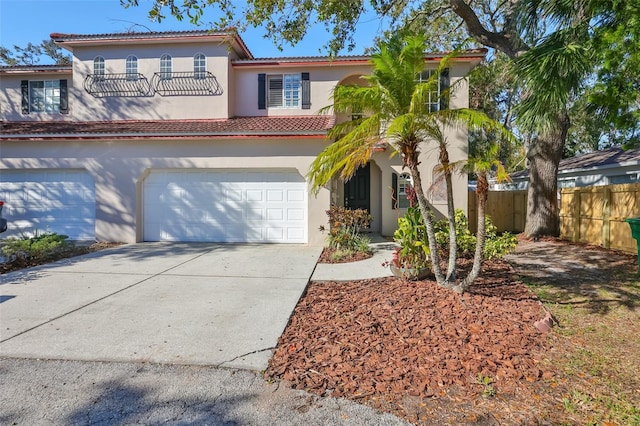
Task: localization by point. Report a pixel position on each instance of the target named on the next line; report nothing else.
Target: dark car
(3, 221)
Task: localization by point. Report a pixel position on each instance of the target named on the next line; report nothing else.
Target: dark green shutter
(444, 89)
(306, 91)
(64, 97)
(394, 191)
(24, 87)
(262, 91)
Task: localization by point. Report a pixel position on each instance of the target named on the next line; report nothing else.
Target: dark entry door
(357, 190)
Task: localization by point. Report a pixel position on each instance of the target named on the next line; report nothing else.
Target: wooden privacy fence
(507, 209)
(596, 215)
(593, 214)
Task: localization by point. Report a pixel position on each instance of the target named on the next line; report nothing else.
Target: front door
(357, 190)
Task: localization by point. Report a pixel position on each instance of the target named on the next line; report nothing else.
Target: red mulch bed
(414, 348)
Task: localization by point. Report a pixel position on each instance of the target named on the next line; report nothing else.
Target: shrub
(495, 246)
(39, 247)
(344, 228)
(411, 235)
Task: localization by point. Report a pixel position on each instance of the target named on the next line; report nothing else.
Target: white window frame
(44, 99)
(98, 66)
(131, 67)
(404, 182)
(433, 102)
(166, 67)
(199, 66)
(284, 91)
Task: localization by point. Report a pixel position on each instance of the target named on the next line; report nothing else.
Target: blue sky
(24, 21)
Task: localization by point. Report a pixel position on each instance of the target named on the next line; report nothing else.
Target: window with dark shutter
(444, 89)
(394, 191)
(24, 88)
(275, 90)
(262, 91)
(306, 91)
(64, 97)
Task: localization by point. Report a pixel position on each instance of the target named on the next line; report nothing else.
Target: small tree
(481, 163)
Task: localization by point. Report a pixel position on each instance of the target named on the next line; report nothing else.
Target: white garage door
(48, 200)
(225, 206)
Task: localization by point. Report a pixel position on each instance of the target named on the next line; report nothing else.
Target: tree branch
(511, 44)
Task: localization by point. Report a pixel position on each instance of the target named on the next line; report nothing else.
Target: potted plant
(412, 258)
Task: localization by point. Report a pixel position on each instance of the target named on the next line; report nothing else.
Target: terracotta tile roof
(615, 156)
(135, 34)
(231, 34)
(313, 125)
(35, 68)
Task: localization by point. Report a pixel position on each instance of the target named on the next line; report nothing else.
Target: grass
(599, 330)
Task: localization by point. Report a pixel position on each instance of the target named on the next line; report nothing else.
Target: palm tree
(482, 163)
(395, 109)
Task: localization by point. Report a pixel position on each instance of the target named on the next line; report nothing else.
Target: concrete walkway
(364, 269)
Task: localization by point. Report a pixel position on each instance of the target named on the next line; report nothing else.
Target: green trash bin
(634, 223)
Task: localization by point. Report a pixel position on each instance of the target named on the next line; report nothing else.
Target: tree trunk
(544, 155)
(427, 216)
(482, 193)
(451, 213)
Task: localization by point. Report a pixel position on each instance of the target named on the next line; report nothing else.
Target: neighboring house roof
(608, 158)
(231, 36)
(305, 126)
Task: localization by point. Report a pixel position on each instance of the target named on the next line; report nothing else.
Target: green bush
(411, 236)
(496, 245)
(39, 247)
(344, 229)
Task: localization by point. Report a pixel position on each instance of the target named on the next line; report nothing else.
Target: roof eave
(65, 136)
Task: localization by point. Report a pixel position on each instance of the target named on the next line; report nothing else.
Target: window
(199, 66)
(131, 67)
(166, 67)
(44, 96)
(284, 91)
(433, 102)
(404, 183)
(98, 66)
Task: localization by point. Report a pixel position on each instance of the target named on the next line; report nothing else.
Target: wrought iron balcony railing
(107, 85)
(185, 83)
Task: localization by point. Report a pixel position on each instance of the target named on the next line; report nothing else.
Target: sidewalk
(361, 270)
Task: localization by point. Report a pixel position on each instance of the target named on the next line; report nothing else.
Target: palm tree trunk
(453, 243)
(544, 157)
(427, 215)
(482, 193)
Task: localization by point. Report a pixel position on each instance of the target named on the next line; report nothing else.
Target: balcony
(185, 84)
(117, 85)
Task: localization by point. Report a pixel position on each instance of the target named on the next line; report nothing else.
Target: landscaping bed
(54, 255)
(433, 356)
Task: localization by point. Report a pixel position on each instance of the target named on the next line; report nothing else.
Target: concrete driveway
(207, 304)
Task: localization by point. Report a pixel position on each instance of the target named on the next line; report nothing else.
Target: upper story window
(284, 91)
(166, 67)
(436, 100)
(44, 96)
(433, 102)
(199, 66)
(131, 67)
(98, 66)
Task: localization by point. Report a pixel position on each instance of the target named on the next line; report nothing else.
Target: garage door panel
(232, 206)
(42, 200)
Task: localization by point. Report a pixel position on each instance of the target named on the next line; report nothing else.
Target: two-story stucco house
(186, 136)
